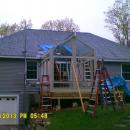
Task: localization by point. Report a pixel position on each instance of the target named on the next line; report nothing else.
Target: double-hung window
(31, 69)
(126, 71)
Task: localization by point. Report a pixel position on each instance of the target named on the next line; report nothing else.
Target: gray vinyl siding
(11, 74)
(12, 81)
(113, 68)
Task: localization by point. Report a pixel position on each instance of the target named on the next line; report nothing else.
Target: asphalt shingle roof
(14, 44)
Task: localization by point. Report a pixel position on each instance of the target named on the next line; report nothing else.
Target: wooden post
(78, 87)
(74, 68)
(95, 61)
(51, 68)
(58, 107)
(74, 49)
(58, 101)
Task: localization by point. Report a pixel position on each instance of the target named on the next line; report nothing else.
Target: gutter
(38, 58)
(118, 60)
(19, 57)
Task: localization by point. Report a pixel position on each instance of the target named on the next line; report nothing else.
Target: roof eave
(32, 57)
(19, 57)
(117, 60)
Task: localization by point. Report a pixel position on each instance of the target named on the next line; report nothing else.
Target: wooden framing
(69, 87)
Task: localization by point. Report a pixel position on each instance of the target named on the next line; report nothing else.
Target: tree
(118, 21)
(4, 29)
(7, 29)
(24, 24)
(61, 25)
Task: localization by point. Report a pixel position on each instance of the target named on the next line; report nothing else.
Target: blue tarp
(46, 46)
(68, 48)
(118, 81)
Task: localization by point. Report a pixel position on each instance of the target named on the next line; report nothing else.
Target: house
(22, 62)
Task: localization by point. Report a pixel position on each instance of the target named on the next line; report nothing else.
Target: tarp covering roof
(68, 48)
(46, 46)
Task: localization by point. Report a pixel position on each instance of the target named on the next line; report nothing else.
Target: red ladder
(114, 97)
(93, 98)
(105, 94)
(45, 95)
(100, 84)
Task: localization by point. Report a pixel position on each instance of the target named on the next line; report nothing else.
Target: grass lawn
(77, 120)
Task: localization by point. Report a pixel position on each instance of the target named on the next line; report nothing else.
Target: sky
(87, 14)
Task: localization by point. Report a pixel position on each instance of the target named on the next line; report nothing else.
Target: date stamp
(5, 115)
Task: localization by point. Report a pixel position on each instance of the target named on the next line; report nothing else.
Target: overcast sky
(88, 14)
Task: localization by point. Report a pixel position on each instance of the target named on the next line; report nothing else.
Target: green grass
(77, 120)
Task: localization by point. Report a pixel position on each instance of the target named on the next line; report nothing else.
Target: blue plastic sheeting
(68, 48)
(108, 84)
(46, 46)
(118, 82)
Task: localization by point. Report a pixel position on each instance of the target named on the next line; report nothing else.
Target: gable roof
(14, 45)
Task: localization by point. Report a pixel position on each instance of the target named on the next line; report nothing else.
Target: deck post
(74, 60)
(58, 107)
(51, 68)
(74, 68)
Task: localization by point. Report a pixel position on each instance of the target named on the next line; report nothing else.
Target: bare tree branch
(6, 29)
(61, 25)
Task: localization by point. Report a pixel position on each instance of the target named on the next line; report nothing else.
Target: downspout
(25, 65)
(25, 59)
(25, 71)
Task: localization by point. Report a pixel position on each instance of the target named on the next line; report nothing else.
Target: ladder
(115, 97)
(101, 85)
(118, 99)
(45, 95)
(93, 97)
(105, 94)
(87, 70)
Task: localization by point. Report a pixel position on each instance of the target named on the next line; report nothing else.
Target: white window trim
(122, 71)
(37, 70)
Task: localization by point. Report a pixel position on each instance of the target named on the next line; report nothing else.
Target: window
(62, 71)
(31, 70)
(126, 71)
